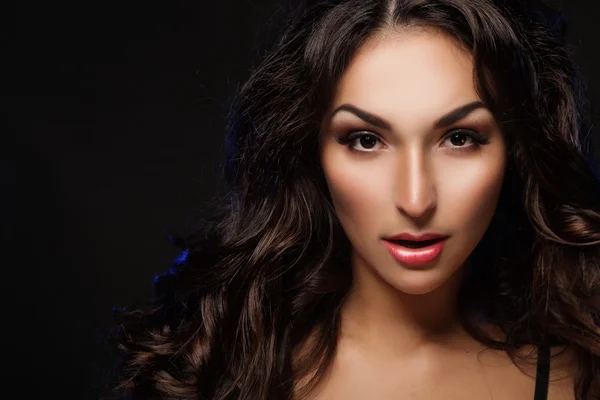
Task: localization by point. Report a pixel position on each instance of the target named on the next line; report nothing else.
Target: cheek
(356, 191)
(470, 194)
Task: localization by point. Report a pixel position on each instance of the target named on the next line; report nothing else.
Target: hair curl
(270, 269)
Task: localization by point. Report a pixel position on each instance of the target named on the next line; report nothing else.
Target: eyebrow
(446, 120)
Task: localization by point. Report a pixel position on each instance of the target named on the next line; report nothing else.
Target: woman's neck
(380, 316)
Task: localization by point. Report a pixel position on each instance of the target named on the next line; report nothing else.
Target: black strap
(542, 377)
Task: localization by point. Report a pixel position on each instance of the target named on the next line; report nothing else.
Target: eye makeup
(472, 139)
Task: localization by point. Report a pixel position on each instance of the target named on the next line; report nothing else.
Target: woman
(410, 215)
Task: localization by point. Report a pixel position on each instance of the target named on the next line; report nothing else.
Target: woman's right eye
(366, 140)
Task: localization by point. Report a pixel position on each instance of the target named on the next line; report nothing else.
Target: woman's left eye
(464, 139)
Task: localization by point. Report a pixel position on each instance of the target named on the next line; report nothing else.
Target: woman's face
(415, 164)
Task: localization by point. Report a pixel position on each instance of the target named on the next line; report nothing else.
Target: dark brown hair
(233, 317)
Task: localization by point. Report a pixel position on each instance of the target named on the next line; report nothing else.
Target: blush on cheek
(468, 190)
(479, 199)
(358, 195)
(349, 195)
(353, 185)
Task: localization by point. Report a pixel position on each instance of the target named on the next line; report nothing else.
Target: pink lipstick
(415, 250)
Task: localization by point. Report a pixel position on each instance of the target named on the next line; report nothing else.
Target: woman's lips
(415, 256)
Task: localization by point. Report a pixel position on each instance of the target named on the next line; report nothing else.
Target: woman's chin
(417, 288)
(421, 282)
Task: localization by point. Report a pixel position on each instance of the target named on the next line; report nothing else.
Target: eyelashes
(458, 139)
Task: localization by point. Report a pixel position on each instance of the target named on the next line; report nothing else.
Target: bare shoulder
(562, 367)
(474, 375)
(562, 370)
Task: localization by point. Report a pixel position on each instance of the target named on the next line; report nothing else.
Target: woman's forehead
(419, 72)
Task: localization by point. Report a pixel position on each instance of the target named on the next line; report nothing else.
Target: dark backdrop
(119, 112)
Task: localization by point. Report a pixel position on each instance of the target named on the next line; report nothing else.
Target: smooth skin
(416, 165)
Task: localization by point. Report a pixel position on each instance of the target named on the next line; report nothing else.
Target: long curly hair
(269, 270)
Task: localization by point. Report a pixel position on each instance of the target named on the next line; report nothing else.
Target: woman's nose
(415, 190)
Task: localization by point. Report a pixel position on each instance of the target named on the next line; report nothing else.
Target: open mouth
(414, 244)
(415, 253)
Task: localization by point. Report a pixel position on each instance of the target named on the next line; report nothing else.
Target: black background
(118, 111)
